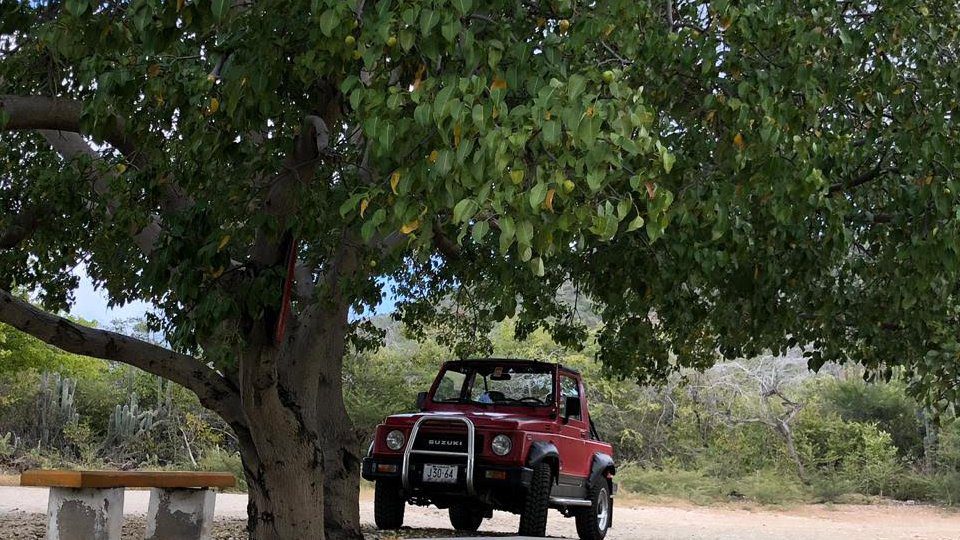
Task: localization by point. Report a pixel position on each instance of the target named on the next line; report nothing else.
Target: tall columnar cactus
(129, 421)
(55, 407)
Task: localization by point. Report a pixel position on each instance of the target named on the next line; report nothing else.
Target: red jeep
(496, 434)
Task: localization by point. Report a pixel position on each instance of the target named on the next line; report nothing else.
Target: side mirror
(421, 400)
(572, 408)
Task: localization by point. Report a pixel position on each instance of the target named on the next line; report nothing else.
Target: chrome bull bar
(409, 450)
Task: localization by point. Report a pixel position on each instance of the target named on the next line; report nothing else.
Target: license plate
(441, 474)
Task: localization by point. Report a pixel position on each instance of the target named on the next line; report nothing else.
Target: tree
(716, 178)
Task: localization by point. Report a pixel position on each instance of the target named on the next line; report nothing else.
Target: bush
(224, 461)
(677, 483)
(885, 405)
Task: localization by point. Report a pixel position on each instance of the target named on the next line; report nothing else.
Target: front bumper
(484, 476)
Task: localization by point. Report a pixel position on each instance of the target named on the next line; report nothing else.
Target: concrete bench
(88, 505)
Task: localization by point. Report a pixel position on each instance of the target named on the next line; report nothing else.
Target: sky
(90, 303)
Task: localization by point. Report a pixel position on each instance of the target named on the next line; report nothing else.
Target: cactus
(55, 407)
(8, 444)
(130, 422)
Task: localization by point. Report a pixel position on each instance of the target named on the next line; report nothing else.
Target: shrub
(679, 483)
(886, 405)
(224, 461)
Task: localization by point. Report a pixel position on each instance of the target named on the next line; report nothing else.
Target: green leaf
(463, 6)
(480, 229)
(525, 232)
(328, 21)
(537, 195)
(444, 162)
(576, 85)
(220, 9)
(551, 132)
(536, 264)
(635, 224)
(464, 210)
(428, 19)
(506, 234)
(422, 114)
(406, 39)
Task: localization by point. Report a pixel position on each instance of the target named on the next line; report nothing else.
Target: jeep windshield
(496, 384)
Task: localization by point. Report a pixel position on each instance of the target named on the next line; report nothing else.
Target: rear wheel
(388, 505)
(593, 522)
(533, 519)
(464, 518)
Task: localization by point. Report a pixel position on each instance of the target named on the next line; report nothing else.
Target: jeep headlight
(395, 439)
(501, 445)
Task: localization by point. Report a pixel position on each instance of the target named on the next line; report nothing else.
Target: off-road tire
(388, 505)
(590, 526)
(533, 519)
(464, 518)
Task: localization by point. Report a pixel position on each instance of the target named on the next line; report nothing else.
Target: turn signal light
(386, 468)
(497, 475)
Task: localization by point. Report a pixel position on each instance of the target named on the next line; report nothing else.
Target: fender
(543, 450)
(601, 464)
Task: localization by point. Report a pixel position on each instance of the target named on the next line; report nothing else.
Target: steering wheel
(530, 398)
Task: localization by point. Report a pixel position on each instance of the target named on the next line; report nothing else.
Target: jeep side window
(450, 386)
(568, 388)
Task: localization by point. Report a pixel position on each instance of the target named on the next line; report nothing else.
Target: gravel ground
(22, 518)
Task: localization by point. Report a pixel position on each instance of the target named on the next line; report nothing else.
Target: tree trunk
(302, 460)
(784, 429)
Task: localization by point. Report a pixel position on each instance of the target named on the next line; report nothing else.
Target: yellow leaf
(419, 77)
(121, 168)
(214, 106)
(711, 115)
(498, 84)
(363, 206)
(590, 111)
(410, 227)
(432, 158)
(725, 23)
(651, 189)
(738, 141)
(457, 131)
(394, 181)
(223, 242)
(548, 201)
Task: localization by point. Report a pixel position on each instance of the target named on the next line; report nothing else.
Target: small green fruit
(392, 41)
(608, 76)
(568, 186)
(350, 41)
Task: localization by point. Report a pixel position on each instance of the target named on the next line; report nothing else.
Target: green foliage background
(857, 440)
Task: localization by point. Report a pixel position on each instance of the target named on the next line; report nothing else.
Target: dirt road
(20, 518)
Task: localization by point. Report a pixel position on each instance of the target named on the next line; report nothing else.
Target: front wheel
(388, 505)
(593, 522)
(533, 519)
(464, 518)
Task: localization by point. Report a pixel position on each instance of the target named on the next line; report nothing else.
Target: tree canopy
(717, 178)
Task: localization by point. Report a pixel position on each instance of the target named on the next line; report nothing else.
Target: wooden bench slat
(117, 479)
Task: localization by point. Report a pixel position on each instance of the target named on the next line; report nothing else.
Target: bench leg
(86, 513)
(180, 514)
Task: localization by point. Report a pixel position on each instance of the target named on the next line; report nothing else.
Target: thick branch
(21, 226)
(71, 145)
(213, 390)
(57, 114)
